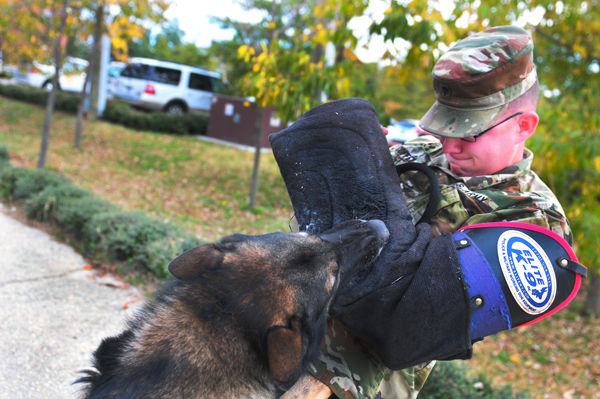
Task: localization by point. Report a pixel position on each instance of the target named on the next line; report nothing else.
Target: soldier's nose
(452, 145)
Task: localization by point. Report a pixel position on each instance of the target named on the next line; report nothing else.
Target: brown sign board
(234, 119)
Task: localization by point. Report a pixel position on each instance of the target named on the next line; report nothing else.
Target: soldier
(487, 91)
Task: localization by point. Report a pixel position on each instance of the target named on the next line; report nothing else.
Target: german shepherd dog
(243, 318)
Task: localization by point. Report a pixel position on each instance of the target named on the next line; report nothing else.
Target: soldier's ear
(286, 351)
(195, 262)
(527, 122)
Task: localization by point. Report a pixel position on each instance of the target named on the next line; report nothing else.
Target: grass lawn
(201, 185)
(205, 187)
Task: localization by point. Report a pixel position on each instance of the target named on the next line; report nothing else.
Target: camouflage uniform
(474, 83)
(347, 364)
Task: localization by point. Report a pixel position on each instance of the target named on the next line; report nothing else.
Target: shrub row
(115, 111)
(103, 228)
(67, 102)
(124, 114)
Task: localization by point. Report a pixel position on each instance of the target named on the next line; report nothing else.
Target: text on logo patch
(527, 270)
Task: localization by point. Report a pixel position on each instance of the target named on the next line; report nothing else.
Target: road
(53, 313)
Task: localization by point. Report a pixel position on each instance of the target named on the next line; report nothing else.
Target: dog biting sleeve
(412, 304)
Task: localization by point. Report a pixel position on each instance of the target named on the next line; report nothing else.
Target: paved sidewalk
(53, 313)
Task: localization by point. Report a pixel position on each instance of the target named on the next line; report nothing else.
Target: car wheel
(47, 85)
(175, 109)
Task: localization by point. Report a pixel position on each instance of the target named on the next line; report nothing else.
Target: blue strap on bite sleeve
(493, 315)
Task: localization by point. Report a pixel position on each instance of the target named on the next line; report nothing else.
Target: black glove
(336, 165)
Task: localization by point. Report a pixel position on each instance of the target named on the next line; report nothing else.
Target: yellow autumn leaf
(242, 50)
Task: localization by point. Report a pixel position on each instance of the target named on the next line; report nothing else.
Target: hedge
(115, 112)
(103, 229)
(124, 114)
(64, 101)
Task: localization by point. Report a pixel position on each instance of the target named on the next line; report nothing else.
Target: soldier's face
(495, 150)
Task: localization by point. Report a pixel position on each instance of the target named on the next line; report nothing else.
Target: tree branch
(567, 47)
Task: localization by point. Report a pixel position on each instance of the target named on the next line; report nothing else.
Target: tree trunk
(592, 302)
(95, 67)
(88, 76)
(41, 164)
(81, 106)
(57, 52)
(258, 145)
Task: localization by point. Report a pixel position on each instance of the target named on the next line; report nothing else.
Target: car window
(114, 71)
(166, 75)
(68, 68)
(79, 68)
(200, 82)
(217, 85)
(136, 71)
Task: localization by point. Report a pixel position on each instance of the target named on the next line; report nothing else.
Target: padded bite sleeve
(411, 304)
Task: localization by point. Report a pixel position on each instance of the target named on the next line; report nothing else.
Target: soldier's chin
(459, 171)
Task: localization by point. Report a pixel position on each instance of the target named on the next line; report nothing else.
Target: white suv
(71, 78)
(166, 86)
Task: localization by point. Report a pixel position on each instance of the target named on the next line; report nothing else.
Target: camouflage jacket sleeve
(514, 194)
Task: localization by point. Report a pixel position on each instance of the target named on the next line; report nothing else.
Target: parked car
(402, 131)
(114, 71)
(72, 76)
(166, 86)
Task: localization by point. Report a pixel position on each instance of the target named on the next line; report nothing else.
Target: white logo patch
(528, 271)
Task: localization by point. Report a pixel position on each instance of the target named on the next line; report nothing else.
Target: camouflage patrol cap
(476, 79)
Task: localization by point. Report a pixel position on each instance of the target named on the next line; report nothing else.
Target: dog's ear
(195, 262)
(286, 352)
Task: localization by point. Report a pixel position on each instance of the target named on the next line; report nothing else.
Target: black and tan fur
(242, 320)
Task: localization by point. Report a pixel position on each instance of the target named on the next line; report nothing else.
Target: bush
(101, 226)
(34, 181)
(115, 111)
(43, 206)
(75, 213)
(157, 255)
(67, 102)
(122, 235)
(8, 181)
(124, 114)
(67, 206)
(449, 380)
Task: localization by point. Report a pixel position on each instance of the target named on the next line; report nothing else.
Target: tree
(102, 22)
(48, 23)
(282, 59)
(123, 20)
(291, 68)
(168, 45)
(566, 56)
(94, 54)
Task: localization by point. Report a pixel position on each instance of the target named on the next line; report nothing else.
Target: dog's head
(281, 285)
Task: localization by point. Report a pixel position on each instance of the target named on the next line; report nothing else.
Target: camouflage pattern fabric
(476, 79)
(348, 365)
(351, 369)
(515, 193)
